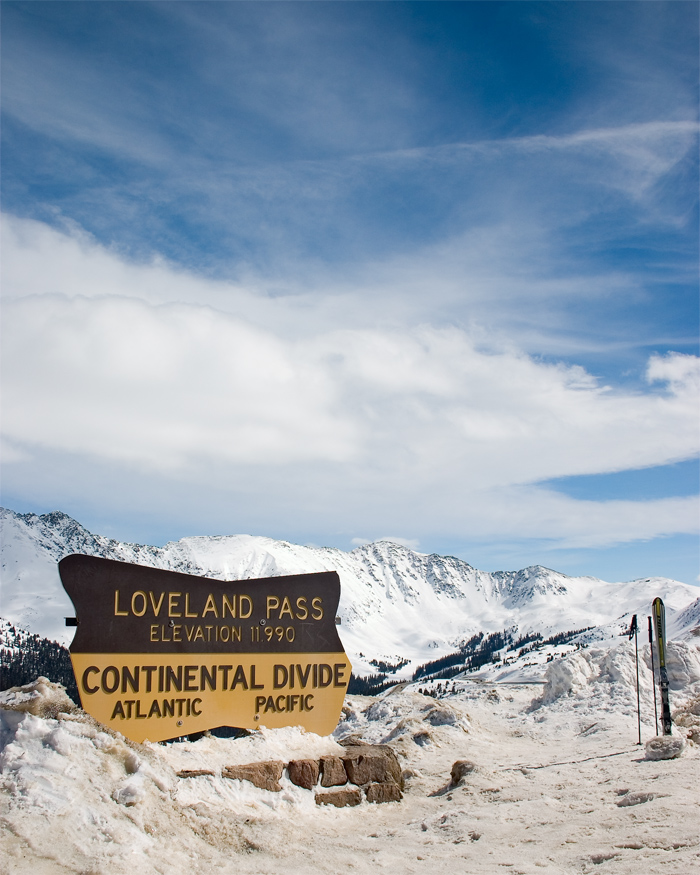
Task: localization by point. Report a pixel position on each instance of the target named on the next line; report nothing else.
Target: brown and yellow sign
(159, 654)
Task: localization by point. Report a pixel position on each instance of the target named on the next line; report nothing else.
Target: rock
(340, 798)
(442, 715)
(333, 772)
(664, 747)
(303, 773)
(372, 763)
(630, 799)
(386, 792)
(194, 773)
(460, 769)
(265, 775)
(352, 740)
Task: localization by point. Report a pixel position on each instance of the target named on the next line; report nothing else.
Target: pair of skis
(657, 622)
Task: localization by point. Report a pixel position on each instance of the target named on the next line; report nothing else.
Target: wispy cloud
(281, 139)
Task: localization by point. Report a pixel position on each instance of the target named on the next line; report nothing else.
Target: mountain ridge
(394, 602)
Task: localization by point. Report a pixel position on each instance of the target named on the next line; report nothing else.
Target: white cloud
(488, 279)
(533, 512)
(405, 427)
(682, 372)
(166, 385)
(161, 385)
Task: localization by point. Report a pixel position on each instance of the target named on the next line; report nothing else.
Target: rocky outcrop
(372, 763)
(333, 772)
(265, 775)
(387, 792)
(372, 768)
(340, 798)
(460, 769)
(304, 773)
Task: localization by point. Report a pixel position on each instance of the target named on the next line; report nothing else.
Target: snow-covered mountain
(394, 603)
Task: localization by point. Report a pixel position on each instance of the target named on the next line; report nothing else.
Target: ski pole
(633, 631)
(636, 660)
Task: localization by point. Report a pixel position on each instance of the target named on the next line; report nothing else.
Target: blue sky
(333, 272)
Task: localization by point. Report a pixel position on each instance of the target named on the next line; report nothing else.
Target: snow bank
(682, 664)
(290, 743)
(406, 718)
(568, 676)
(75, 790)
(584, 672)
(42, 698)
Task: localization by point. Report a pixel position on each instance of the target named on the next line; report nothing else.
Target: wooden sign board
(159, 654)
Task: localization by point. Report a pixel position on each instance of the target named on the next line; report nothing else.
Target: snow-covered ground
(559, 785)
